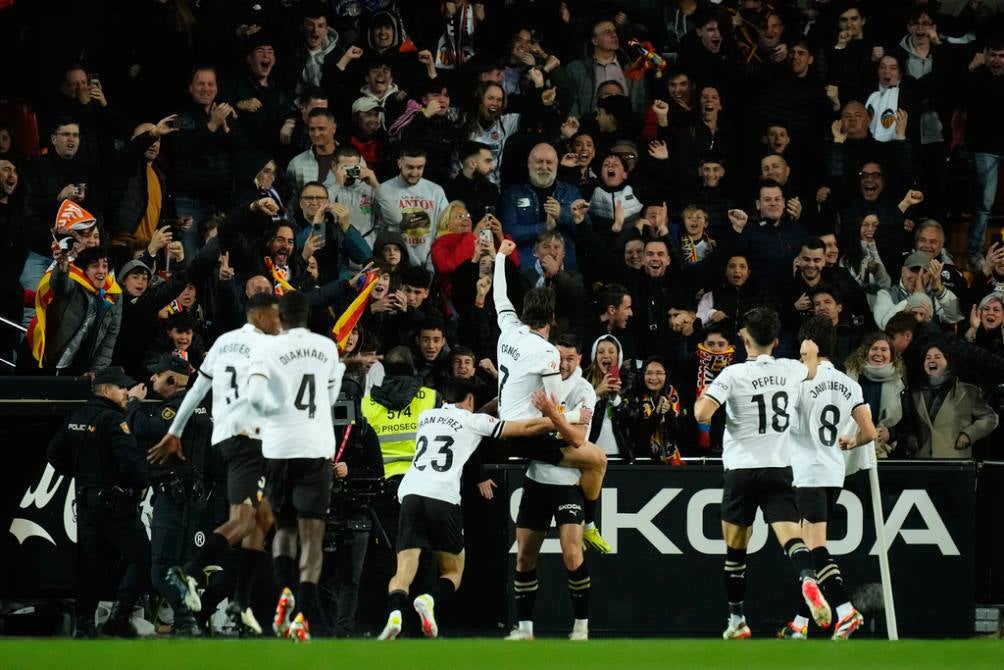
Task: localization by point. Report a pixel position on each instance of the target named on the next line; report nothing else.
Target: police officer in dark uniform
(98, 449)
(179, 483)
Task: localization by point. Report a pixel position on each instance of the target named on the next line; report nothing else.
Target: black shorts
(767, 488)
(428, 523)
(543, 448)
(816, 503)
(542, 502)
(298, 488)
(245, 466)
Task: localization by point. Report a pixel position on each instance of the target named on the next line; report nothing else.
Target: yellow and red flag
(350, 317)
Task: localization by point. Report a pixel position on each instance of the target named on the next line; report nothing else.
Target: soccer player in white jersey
(831, 417)
(759, 398)
(294, 382)
(528, 362)
(551, 492)
(430, 499)
(237, 435)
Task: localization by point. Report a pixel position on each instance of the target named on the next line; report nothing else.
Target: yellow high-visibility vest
(397, 428)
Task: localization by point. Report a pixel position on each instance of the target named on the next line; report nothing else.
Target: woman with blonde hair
(882, 375)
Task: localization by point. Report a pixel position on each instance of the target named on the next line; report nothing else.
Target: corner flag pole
(883, 554)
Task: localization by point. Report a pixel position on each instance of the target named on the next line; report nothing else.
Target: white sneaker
(739, 631)
(579, 635)
(518, 634)
(392, 629)
(424, 606)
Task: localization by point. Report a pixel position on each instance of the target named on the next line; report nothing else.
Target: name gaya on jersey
(759, 397)
(447, 437)
(303, 373)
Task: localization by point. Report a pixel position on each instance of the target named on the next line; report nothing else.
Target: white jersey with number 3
(304, 376)
(446, 438)
(759, 397)
(525, 358)
(226, 366)
(823, 414)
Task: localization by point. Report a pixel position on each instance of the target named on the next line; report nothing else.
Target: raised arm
(500, 294)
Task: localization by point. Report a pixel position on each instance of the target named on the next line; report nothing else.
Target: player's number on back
(305, 396)
(444, 450)
(232, 371)
(502, 380)
(779, 411)
(829, 419)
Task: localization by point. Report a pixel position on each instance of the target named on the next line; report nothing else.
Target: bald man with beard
(539, 205)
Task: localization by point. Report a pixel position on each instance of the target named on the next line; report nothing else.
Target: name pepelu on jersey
(304, 375)
(759, 398)
(446, 438)
(525, 358)
(823, 414)
(226, 365)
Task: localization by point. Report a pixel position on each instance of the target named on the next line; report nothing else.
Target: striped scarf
(282, 285)
(107, 295)
(695, 252)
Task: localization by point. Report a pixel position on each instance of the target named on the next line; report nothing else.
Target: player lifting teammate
(832, 417)
(430, 499)
(237, 434)
(528, 362)
(293, 382)
(758, 396)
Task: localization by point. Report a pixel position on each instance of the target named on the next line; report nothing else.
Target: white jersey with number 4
(446, 438)
(226, 366)
(304, 376)
(759, 398)
(525, 358)
(823, 414)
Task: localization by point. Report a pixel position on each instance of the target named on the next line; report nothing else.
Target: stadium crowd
(663, 167)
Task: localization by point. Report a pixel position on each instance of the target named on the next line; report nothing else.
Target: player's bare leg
(311, 532)
(451, 570)
(579, 584)
(591, 462)
(789, 535)
(525, 583)
(737, 539)
(397, 591)
(831, 581)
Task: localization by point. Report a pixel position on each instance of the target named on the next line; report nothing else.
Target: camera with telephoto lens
(353, 171)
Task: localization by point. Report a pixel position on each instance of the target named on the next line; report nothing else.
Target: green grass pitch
(484, 654)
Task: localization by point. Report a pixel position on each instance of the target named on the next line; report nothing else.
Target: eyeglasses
(313, 198)
(654, 373)
(870, 175)
(463, 216)
(626, 155)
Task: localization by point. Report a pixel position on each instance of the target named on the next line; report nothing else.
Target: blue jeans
(200, 211)
(986, 176)
(34, 267)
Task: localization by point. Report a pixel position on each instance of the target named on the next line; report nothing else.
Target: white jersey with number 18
(823, 414)
(759, 398)
(446, 438)
(226, 366)
(304, 376)
(525, 358)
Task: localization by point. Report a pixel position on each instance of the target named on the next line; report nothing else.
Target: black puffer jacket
(129, 186)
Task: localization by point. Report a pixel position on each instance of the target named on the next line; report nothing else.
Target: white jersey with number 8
(823, 415)
(304, 376)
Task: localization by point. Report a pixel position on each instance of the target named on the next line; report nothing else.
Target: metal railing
(17, 326)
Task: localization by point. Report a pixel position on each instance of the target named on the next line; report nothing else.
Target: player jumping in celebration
(551, 492)
(528, 362)
(430, 499)
(832, 417)
(237, 435)
(759, 396)
(293, 383)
